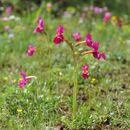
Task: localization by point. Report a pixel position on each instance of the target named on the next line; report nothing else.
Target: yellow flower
(14, 81)
(20, 79)
(114, 19)
(6, 78)
(93, 80)
(19, 110)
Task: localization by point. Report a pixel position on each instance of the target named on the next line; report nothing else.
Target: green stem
(75, 89)
(75, 79)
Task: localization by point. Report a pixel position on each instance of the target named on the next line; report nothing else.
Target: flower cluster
(95, 9)
(94, 45)
(114, 19)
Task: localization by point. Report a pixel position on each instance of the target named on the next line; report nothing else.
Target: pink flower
(89, 39)
(6, 28)
(31, 50)
(40, 26)
(8, 10)
(22, 83)
(77, 36)
(119, 23)
(92, 44)
(5, 19)
(85, 72)
(60, 30)
(98, 10)
(59, 35)
(24, 80)
(89, 36)
(49, 5)
(67, 14)
(58, 39)
(23, 74)
(95, 45)
(99, 55)
(107, 17)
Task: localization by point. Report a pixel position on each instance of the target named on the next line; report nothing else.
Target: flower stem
(75, 79)
(75, 89)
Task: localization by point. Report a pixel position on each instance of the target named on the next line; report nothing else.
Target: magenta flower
(99, 55)
(119, 23)
(89, 39)
(89, 36)
(24, 80)
(58, 39)
(85, 72)
(22, 83)
(23, 74)
(8, 10)
(59, 35)
(107, 17)
(92, 44)
(95, 45)
(98, 10)
(60, 30)
(40, 26)
(77, 36)
(31, 50)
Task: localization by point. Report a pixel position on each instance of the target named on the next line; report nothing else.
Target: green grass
(103, 99)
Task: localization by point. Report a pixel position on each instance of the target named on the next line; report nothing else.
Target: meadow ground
(103, 98)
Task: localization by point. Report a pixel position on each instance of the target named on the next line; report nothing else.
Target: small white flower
(11, 35)
(12, 17)
(60, 73)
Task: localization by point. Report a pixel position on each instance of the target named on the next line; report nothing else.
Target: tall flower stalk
(93, 45)
(57, 40)
(75, 88)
